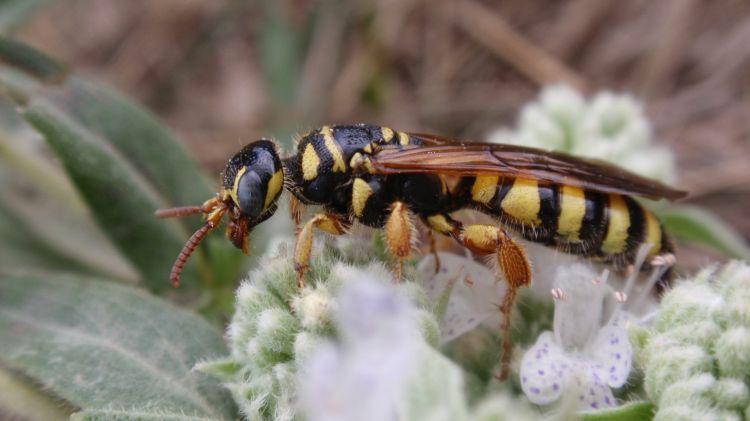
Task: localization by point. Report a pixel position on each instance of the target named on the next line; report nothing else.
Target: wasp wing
(455, 157)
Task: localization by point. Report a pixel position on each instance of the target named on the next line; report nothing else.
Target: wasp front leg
(324, 222)
(296, 209)
(511, 259)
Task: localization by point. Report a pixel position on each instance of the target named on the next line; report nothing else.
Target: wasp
(388, 179)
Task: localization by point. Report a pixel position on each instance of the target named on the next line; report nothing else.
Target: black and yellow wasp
(384, 179)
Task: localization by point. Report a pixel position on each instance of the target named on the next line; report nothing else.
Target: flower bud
(732, 351)
(314, 308)
(276, 329)
(730, 393)
(673, 364)
(688, 303)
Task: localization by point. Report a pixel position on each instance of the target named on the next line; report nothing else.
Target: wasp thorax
(253, 179)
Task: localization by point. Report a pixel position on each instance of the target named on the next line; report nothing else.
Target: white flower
(474, 293)
(365, 375)
(589, 351)
(609, 126)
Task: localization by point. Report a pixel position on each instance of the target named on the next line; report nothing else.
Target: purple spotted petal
(593, 392)
(545, 370)
(612, 355)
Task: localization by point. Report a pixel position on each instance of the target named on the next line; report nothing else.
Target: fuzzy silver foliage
(697, 357)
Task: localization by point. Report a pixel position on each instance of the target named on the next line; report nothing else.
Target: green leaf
(630, 411)
(121, 201)
(698, 225)
(224, 368)
(153, 159)
(13, 13)
(153, 151)
(105, 347)
(26, 402)
(142, 140)
(281, 50)
(124, 415)
(22, 248)
(29, 60)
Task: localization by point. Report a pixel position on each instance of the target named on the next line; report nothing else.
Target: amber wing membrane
(464, 158)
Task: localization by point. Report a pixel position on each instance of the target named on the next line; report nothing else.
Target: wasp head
(251, 185)
(252, 182)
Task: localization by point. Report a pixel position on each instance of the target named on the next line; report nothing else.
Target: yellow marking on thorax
(484, 188)
(368, 148)
(439, 223)
(387, 134)
(403, 139)
(310, 163)
(572, 211)
(653, 233)
(333, 148)
(361, 191)
(236, 184)
(274, 187)
(619, 222)
(358, 161)
(522, 201)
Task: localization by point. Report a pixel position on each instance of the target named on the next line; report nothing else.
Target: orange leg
(511, 259)
(296, 209)
(399, 235)
(433, 250)
(515, 267)
(328, 223)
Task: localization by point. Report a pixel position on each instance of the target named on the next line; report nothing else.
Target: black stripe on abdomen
(594, 224)
(549, 211)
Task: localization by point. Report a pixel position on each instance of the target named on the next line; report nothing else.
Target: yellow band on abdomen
(484, 188)
(572, 211)
(619, 222)
(522, 201)
(653, 233)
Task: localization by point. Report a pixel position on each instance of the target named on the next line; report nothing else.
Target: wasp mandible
(386, 179)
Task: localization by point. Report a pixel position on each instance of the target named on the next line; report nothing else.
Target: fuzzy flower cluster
(277, 327)
(609, 126)
(351, 345)
(696, 359)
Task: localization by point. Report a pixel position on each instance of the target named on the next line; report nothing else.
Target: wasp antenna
(185, 253)
(178, 212)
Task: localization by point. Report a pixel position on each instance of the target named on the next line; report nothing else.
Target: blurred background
(221, 73)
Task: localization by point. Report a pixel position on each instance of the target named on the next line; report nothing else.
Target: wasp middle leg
(511, 259)
(399, 235)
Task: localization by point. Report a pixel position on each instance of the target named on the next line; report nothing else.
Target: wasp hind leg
(324, 222)
(511, 259)
(433, 250)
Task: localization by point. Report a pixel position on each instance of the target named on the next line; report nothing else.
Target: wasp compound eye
(249, 194)
(254, 179)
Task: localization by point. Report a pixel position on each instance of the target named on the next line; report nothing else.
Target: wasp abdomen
(574, 220)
